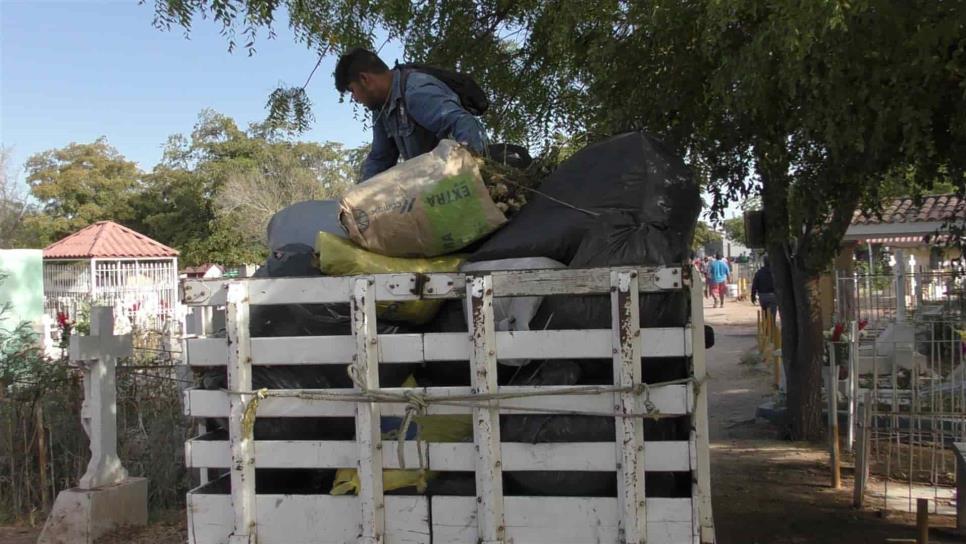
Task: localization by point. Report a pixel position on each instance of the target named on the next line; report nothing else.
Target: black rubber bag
(301, 222)
(620, 239)
(631, 176)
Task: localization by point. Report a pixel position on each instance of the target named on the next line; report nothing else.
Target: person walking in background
(719, 273)
(763, 288)
(705, 271)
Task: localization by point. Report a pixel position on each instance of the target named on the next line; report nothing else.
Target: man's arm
(435, 107)
(383, 154)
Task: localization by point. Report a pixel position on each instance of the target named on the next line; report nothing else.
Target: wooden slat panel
(512, 283)
(210, 517)
(307, 519)
(486, 417)
(239, 435)
(206, 351)
(319, 290)
(582, 344)
(700, 460)
(368, 435)
(564, 520)
(668, 399)
(578, 456)
(626, 327)
(393, 348)
(307, 350)
(322, 290)
(314, 519)
(408, 348)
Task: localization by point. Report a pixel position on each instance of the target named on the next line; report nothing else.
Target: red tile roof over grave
(904, 210)
(107, 240)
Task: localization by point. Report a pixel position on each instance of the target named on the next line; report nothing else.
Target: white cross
(98, 354)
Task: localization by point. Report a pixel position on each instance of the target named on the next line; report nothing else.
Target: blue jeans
(768, 301)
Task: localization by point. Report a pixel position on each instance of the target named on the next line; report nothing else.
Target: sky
(72, 71)
(76, 70)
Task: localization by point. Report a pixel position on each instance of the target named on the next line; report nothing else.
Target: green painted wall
(23, 285)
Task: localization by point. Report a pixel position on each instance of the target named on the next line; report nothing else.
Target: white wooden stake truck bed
(227, 509)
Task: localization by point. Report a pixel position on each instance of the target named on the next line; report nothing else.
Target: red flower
(837, 332)
(63, 320)
(863, 324)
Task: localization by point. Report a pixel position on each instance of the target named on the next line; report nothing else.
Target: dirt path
(770, 491)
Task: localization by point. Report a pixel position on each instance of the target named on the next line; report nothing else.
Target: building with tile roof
(906, 221)
(109, 264)
(914, 237)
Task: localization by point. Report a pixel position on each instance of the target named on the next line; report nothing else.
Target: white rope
(418, 400)
(417, 403)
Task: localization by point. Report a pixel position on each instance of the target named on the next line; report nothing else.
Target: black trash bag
(288, 377)
(548, 428)
(279, 377)
(631, 174)
(294, 260)
(301, 222)
(626, 239)
(293, 481)
(291, 240)
(299, 320)
(303, 377)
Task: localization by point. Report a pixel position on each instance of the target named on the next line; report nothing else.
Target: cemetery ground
(765, 490)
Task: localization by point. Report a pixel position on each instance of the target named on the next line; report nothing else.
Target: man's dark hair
(717, 256)
(354, 62)
(764, 260)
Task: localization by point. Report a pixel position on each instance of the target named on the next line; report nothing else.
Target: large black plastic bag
(294, 260)
(631, 174)
(550, 428)
(617, 240)
(301, 222)
(545, 428)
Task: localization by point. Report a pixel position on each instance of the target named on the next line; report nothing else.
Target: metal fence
(896, 359)
(144, 293)
(903, 398)
(881, 298)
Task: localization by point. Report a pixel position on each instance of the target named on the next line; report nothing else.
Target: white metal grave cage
(141, 290)
(228, 507)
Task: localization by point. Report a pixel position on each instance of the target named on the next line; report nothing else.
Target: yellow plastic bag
(347, 480)
(340, 257)
(444, 428)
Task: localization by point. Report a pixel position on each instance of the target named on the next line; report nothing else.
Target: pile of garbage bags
(627, 200)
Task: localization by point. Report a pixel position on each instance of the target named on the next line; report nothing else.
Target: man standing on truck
(412, 110)
(719, 272)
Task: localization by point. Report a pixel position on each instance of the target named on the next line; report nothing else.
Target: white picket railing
(243, 516)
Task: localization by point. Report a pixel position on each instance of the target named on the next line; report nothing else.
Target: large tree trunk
(802, 344)
(799, 308)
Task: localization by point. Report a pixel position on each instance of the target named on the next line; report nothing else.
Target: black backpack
(472, 97)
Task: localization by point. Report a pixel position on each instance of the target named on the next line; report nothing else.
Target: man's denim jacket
(430, 112)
